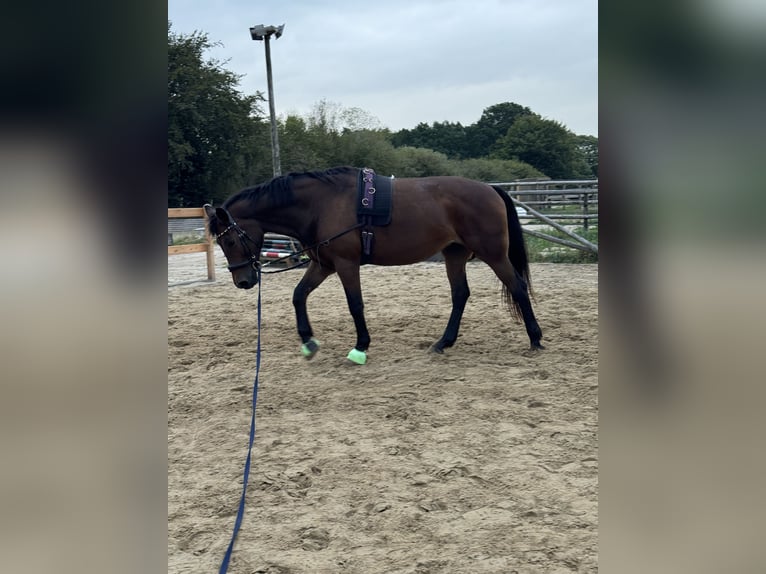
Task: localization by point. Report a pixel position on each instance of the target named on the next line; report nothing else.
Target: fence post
(210, 258)
(210, 253)
(585, 212)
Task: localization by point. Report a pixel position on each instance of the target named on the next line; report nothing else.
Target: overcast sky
(411, 61)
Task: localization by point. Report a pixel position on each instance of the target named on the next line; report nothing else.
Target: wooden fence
(206, 247)
(550, 202)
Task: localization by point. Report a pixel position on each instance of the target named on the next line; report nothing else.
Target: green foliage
(543, 251)
(496, 170)
(189, 239)
(332, 135)
(421, 162)
(368, 148)
(457, 141)
(508, 131)
(214, 132)
(494, 123)
(588, 147)
(448, 138)
(325, 138)
(545, 144)
(297, 148)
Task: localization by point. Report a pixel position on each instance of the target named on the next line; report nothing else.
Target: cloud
(422, 60)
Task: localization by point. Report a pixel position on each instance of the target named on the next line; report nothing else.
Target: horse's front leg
(349, 277)
(311, 280)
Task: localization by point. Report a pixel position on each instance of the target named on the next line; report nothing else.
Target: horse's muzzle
(251, 279)
(246, 283)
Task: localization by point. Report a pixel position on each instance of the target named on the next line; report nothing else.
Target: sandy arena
(484, 459)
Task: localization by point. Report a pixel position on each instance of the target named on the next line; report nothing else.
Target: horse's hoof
(536, 347)
(310, 348)
(436, 350)
(356, 356)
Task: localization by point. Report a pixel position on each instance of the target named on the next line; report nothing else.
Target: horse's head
(241, 243)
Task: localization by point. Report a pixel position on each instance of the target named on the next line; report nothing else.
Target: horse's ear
(209, 210)
(223, 216)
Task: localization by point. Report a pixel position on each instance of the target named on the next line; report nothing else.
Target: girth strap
(375, 194)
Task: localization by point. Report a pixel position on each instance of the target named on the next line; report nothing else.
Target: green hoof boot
(310, 349)
(356, 356)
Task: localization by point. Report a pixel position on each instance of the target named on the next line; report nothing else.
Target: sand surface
(483, 459)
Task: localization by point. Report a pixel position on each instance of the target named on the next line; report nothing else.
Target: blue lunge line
(241, 511)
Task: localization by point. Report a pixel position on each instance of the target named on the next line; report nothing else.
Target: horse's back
(430, 213)
(446, 198)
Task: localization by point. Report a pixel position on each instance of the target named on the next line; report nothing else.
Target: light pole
(261, 32)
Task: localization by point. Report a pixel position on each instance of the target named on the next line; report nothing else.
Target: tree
(367, 148)
(216, 135)
(298, 152)
(313, 148)
(449, 138)
(458, 141)
(332, 135)
(444, 137)
(494, 123)
(545, 144)
(588, 147)
(419, 136)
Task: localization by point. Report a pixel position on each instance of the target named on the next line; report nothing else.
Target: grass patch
(543, 251)
(188, 239)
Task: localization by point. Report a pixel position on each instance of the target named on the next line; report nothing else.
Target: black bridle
(254, 258)
(244, 238)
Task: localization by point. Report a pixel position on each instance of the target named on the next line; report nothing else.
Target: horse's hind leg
(313, 277)
(455, 257)
(515, 286)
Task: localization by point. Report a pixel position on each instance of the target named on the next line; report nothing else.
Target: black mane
(278, 191)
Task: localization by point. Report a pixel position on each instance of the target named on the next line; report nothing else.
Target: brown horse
(457, 216)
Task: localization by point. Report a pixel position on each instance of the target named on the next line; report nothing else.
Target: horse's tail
(517, 251)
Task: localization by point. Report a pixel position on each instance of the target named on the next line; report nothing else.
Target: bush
(421, 162)
(496, 170)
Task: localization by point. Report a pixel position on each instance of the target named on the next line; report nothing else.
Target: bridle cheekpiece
(253, 258)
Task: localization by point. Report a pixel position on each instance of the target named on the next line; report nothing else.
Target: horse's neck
(289, 220)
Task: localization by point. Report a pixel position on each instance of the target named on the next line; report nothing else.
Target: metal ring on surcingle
(372, 191)
(365, 201)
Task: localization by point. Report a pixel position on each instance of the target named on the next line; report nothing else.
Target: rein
(254, 259)
(323, 243)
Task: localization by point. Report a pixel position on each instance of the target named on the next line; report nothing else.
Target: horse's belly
(391, 249)
(403, 259)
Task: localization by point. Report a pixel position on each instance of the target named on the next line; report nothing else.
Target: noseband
(253, 258)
